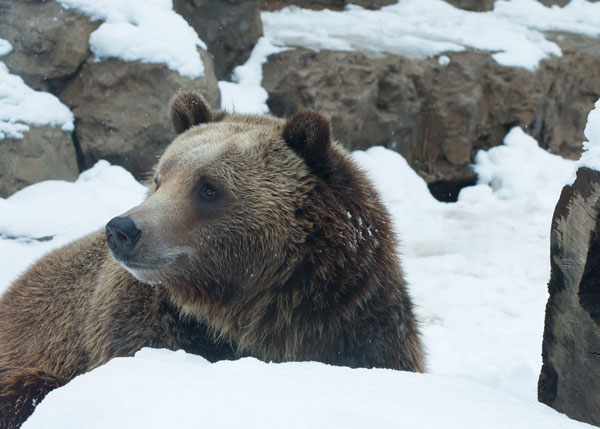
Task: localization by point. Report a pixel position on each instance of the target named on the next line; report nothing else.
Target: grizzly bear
(259, 237)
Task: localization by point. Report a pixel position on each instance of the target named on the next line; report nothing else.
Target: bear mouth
(149, 272)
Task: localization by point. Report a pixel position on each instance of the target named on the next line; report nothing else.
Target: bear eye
(209, 191)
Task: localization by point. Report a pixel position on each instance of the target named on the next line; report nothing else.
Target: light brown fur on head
(261, 238)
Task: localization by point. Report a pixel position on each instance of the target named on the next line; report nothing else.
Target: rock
(474, 5)
(43, 153)
(485, 5)
(324, 4)
(438, 116)
(230, 29)
(572, 91)
(121, 110)
(49, 42)
(570, 376)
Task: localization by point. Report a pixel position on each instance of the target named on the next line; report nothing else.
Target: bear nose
(122, 235)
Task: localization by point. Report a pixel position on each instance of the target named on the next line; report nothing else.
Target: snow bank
(21, 106)
(151, 33)
(423, 29)
(58, 211)
(591, 155)
(478, 268)
(162, 389)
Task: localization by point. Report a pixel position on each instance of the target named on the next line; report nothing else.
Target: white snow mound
(162, 389)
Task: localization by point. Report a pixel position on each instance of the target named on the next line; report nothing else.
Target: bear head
(243, 205)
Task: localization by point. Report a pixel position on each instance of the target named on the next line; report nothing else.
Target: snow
(5, 47)
(62, 211)
(21, 106)
(421, 29)
(478, 268)
(163, 389)
(245, 93)
(591, 155)
(443, 60)
(153, 33)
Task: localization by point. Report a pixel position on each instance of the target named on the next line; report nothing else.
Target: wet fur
(314, 275)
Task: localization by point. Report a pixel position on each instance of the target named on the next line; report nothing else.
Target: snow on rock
(478, 269)
(578, 16)
(423, 29)
(58, 211)
(152, 33)
(5, 47)
(160, 389)
(21, 106)
(591, 155)
(245, 93)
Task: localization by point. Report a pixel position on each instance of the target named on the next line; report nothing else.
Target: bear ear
(189, 109)
(308, 133)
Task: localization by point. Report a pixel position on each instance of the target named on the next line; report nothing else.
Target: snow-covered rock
(35, 134)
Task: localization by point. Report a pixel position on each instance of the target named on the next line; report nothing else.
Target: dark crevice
(589, 287)
(78, 152)
(448, 190)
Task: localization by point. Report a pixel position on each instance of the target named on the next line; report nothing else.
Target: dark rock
(437, 116)
(473, 5)
(485, 5)
(570, 376)
(230, 29)
(43, 153)
(560, 3)
(121, 110)
(324, 4)
(49, 42)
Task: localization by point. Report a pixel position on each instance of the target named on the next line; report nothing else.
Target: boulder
(49, 42)
(324, 4)
(230, 29)
(570, 376)
(474, 5)
(43, 153)
(439, 115)
(121, 110)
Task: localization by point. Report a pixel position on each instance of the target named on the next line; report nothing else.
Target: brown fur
(261, 238)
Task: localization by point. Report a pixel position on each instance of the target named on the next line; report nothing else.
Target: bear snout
(122, 235)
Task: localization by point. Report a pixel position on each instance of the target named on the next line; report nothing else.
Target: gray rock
(49, 42)
(230, 29)
(485, 5)
(473, 5)
(121, 110)
(324, 4)
(43, 153)
(570, 376)
(439, 116)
